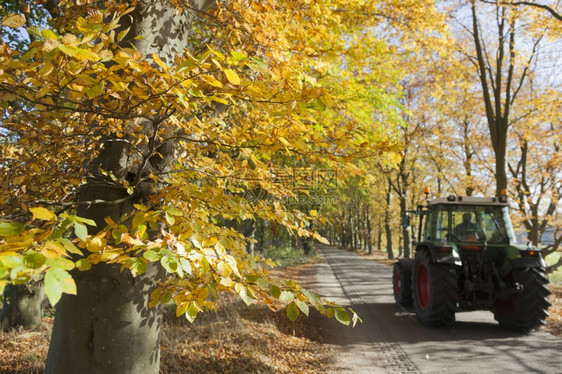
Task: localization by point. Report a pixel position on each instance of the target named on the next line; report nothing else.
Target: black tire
(435, 290)
(402, 283)
(527, 310)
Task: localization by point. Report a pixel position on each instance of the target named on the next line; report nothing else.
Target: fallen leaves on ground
(25, 351)
(236, 339)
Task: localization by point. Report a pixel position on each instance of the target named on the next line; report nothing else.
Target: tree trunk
(108, 326)
(22, 306)
(406, 230)
(500, 151)
(369, 233)
(388, 223)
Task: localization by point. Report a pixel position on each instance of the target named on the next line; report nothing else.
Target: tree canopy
(142, 133)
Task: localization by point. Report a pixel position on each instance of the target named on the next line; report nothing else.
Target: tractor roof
(470, 200)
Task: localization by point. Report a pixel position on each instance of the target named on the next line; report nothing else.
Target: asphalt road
(390, 340)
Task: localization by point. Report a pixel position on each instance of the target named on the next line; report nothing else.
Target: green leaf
(170, 264)
(238, 56)
(48, 34)
(170, 218)
(87, 221)
(69, 246)
(152, 256)
(274, 291)
(68, 50)
(286, 296)
(302, 306)
(80, 230)
(11, 228)
(262, 283)
(245, 297)
(83, 264)
(11, 262)
(3, 272)
(191, 312)
(186, 265)
(166, 297)
(60, 262)
(136, 265)
(342, 316)
(186, 66)
(57, 282)
(293, 311)
(34, 260)
(174, 212)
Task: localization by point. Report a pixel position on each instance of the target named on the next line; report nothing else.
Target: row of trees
(479, 121)
(144, 143)
(141, 139)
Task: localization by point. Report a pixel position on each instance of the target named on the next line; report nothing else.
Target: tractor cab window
(437, 226)
(481, 223)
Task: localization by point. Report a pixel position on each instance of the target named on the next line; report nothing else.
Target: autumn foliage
(197, 133)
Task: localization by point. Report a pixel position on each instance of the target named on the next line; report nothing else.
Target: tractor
(466, 258)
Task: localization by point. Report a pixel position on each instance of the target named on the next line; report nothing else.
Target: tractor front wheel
(402, 283)
(435, 290)
(528, 309)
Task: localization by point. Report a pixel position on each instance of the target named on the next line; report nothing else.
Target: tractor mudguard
(528, 262)
(442, 256)
(406, 264)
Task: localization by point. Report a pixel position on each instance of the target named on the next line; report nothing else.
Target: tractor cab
(468, 223)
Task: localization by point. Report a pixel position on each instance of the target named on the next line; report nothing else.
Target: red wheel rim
(422, 285)
(397, 287)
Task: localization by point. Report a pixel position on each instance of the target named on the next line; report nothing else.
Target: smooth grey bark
(108, 326)
(22, 306)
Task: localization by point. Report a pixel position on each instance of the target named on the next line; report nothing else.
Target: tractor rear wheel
(435, 290)
(402, 283)
(527, 310)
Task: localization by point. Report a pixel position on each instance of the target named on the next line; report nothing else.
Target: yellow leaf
(42, 214)
(13, 20)
(224, 269)
(232, 76)
(159, 62)
(48, 34)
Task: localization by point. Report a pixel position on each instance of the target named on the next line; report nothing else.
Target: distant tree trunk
(369, 229)
(108, 326)
(406, 230)
(22, 306)
(250, 233)
(379, 235)
(388, 223)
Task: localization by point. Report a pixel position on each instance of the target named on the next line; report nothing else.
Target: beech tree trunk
(108, 326)
(22, 306)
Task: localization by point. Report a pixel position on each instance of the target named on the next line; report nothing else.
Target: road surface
(390, 340)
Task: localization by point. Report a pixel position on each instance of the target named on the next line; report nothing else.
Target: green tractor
(466, 258)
